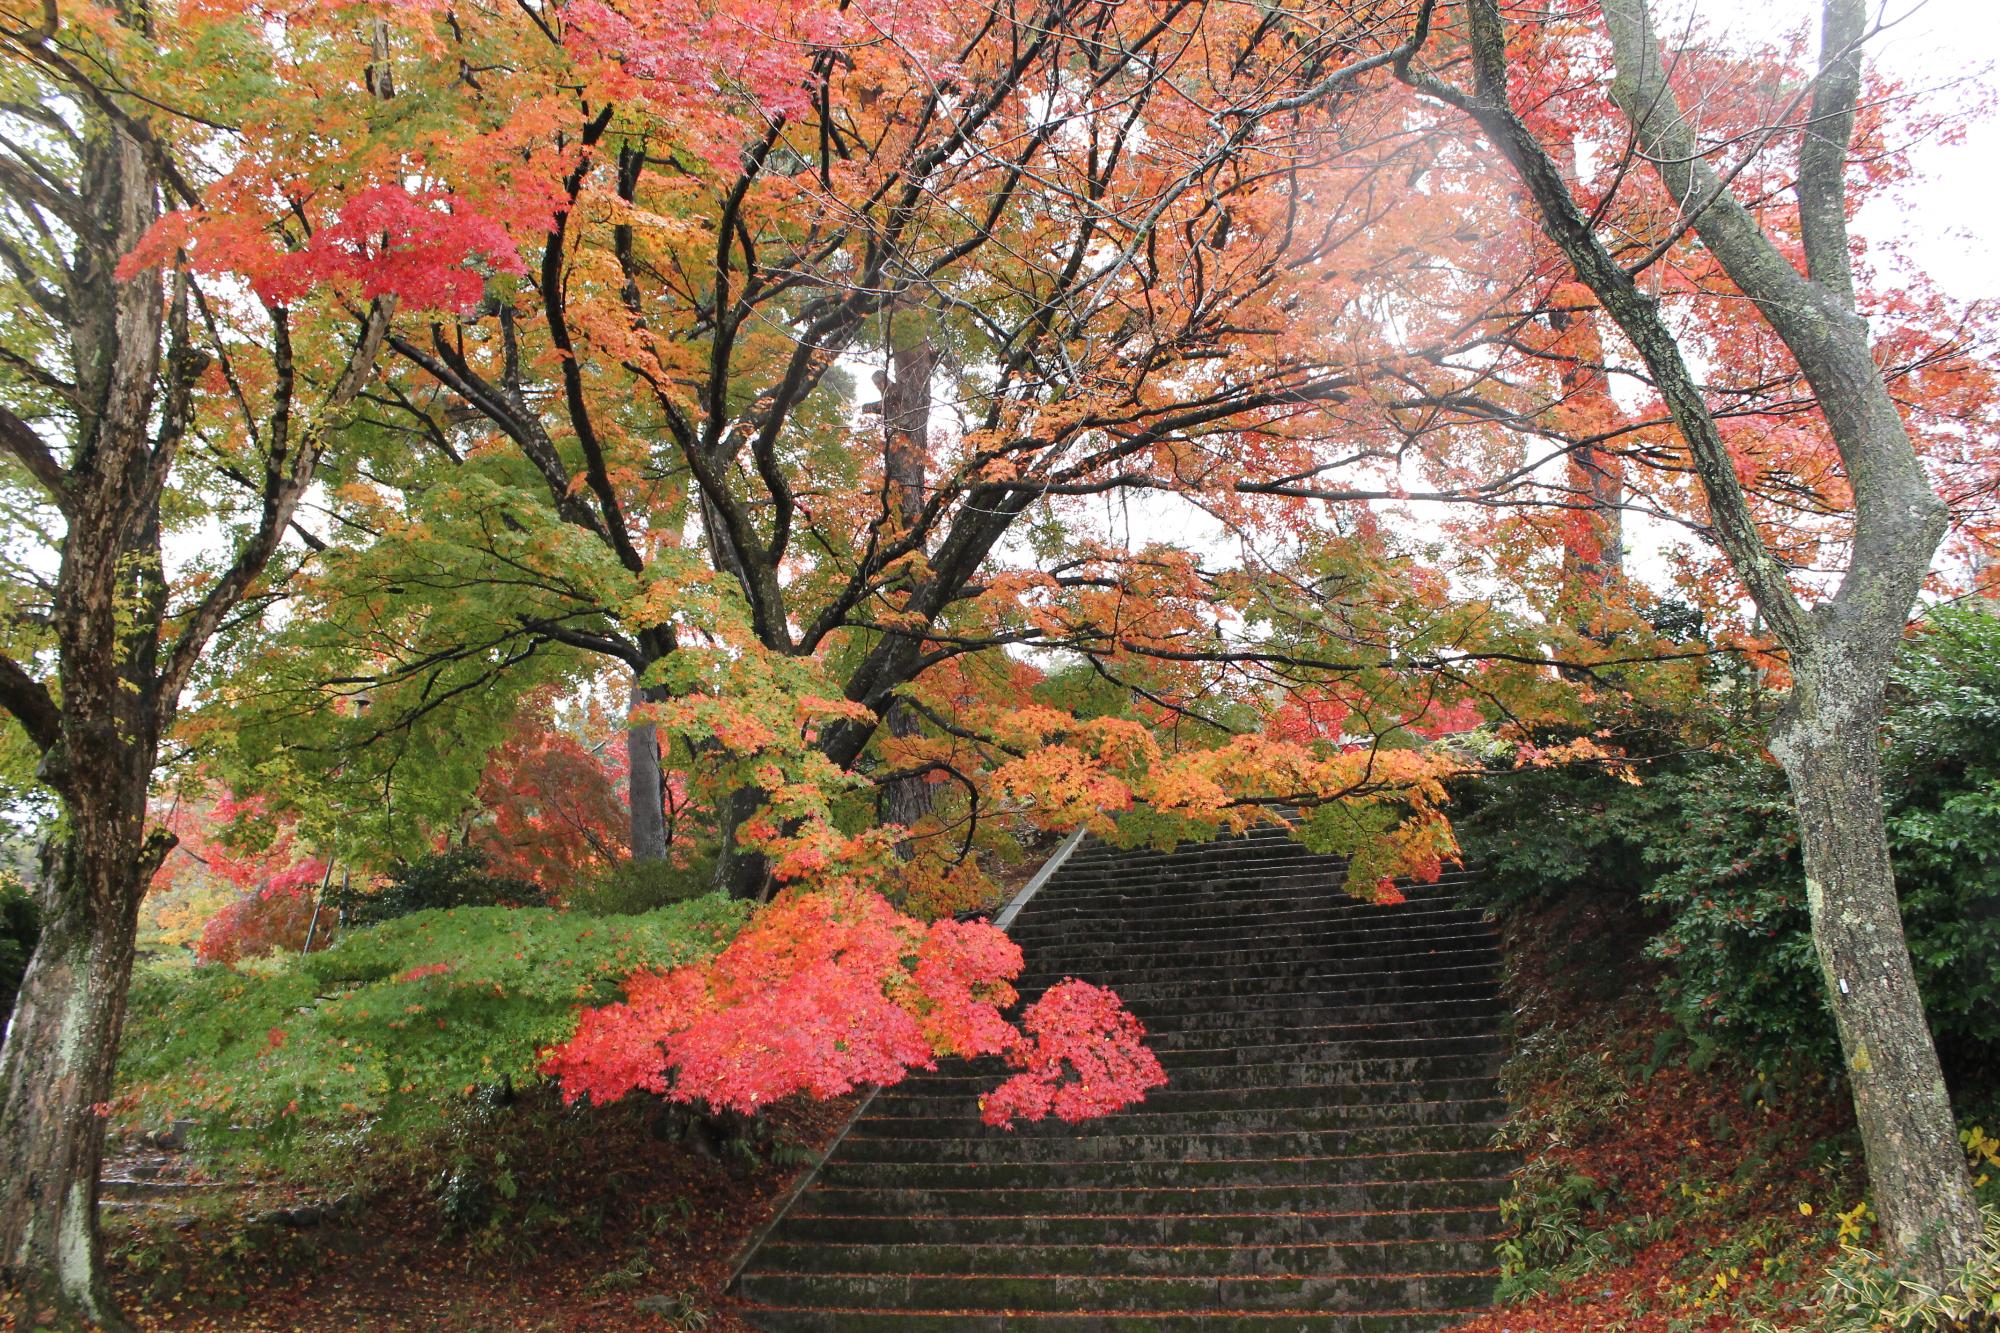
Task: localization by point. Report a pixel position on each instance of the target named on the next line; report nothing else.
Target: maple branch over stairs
(1319, 1159)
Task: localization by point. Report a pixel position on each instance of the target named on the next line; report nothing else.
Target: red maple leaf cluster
(268, 920)
(426, 249)
(827, 991)
(1081, 1054)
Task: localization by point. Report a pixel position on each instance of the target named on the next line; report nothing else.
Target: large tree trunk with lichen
(1827, 743)
(56, 1075)
(123, 655)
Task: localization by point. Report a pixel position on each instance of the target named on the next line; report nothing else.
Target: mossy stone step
(1118, 1260)
(795, 1319)
(1281, 1228)
(1067, 1292)
(985, 1201)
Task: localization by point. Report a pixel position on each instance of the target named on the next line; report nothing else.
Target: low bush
(457, 878)
(395, 1027)
(262, 922)
(630, 887)
(1707, 841)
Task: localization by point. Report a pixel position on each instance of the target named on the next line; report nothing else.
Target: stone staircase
(1319, 1159)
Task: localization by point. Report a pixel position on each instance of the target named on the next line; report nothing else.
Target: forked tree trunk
(1829, 738)
(1826, 742)
(56, 1071)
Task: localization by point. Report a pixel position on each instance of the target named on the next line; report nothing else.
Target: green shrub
(1737, 930)
(640, 886)
(19, 930)
(457, 878)
(1733, 897)
(1541, 833)
(1709, 843)
(1942, 773)
(396, 1026)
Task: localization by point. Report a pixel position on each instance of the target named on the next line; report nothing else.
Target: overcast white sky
(1951, 218)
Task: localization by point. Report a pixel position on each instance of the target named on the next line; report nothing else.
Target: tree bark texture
(56, 1074)
(644, 790)
(906, 424)
(1826, 742)
(123, 656)
(741, 872)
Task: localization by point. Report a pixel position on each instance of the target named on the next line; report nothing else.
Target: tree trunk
(741, 872)
(1829, 737)
(1827, 743)
(906, 427)
(56, 1072)
(1594, 538)
(644, 790)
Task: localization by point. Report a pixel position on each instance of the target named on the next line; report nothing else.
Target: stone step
(1268, 863)
(1468, 1024)
(158, 1187)
(1443, 1193)
(1145, 1119)
(1221, 851)
(1384, 974)
(1069, 1292)
(1270, 891)
(1331, 999)
(1361, 1168)
(1115, 1260)
(1291, 1228)
(1324, 961)
(1321, 1159)
(960, 1078)
(1185, 1056)
(1236, 888)
(1139, 1145)
(1253, 947)
(1328, 1001)
(806, 1319)
(910, 1099)
(1053, 927)
(1209, 1022)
